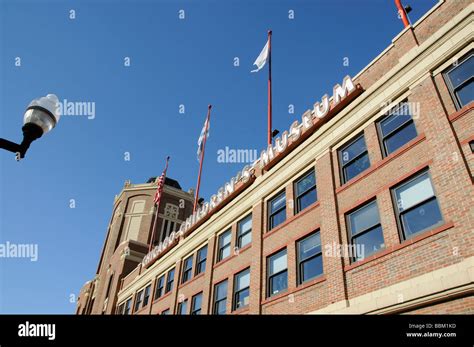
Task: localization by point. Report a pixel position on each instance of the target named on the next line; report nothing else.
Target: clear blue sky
(173, 62)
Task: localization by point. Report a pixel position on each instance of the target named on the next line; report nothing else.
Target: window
(365, 231)
(146, 296)
(310, 259)
(277, 273)
(305, 191)
(460, 81)
(196, 303)
(471, 144)
(165, 312)
(220, 298)
(128, 306)
(160, 283)
(120, 308)
(183, 307)
(417, 206)
(396, 128)
(244, 232)
(201, 260)
(241, 289)
(187, 269)
(109, 286)
(224, 245)
(277, 210)
(138, 300)
(353, 159)
(169, 281)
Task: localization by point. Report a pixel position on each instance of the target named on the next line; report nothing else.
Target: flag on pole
(204, 134)
(161, 183)
(262, 58)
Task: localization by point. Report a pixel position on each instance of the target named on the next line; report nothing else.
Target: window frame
(449, 84)
(237, 292)
(382, 138)
(187, 272)
(241, 235)
(146, 297)
(342, 165)
(307, 191)
(169, 284)
(158, 287)
(220, 247)
(365, 231)
(269, 277)
(127, 307)
(300, 262)
(214, 299)
(180, 307)
(199, 261)
(398, 214)
(138, 300)
(193, 309)
(270, 214)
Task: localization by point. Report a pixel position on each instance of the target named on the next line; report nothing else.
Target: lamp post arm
(10, 146)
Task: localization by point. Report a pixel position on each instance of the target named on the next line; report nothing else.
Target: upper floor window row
(460, 80)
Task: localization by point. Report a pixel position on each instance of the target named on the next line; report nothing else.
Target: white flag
(262, 58)
(204, 134)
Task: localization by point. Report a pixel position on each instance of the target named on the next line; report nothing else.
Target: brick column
(208, 275)
(256, 277)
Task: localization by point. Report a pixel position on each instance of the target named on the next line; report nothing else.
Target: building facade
(366, 206)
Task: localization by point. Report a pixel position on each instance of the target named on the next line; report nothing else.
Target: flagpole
(196, 196)
(157, 208)
(269, 87)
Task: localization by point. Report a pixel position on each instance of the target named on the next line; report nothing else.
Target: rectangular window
(276, 210)
(353, 159)
(201, 260)
(182, 307)
(310, 258)
(196, 303)
(120, 308)
(416, 205)
(146, 296)
(365, 231)
(224, 245)
(169, 281)
(128, 306)
(396, 128)
(187, 269)
(109, 286)
(138, 300)
(160, 284)
(460, 81)
(305, 191)
(241, 289)
(220, 298)
(244, 232)
(165, 312)
(277, 273)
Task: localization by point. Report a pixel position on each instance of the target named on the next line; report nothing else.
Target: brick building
(364, 206)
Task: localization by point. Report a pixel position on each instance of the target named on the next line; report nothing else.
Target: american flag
(161, 183)
(204, 135)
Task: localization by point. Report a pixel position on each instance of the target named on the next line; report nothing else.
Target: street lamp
(41, 116)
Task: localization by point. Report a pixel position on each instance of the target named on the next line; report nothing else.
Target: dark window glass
(109, 286)
(354, 159)
(397, 128)
(187, 269)
(244, 232)
(224, 245)
(128, 306)
(310, 259)
(241, 289)
(277, 273)
(460, 81)
(305, 191)
(417, 206)
(220, 298)
(201, 260)
(120, 308)
(138, 300)
(159, 287)
(365, 231)
(196, 303)
(277, 210)
(471, 144)
(169, 281)
(166, 312)
(182, 307)
(146, 296)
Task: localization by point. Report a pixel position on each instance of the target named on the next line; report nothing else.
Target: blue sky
(173, 62)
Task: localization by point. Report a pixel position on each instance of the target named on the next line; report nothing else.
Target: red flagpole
(270, 87)
(196, 196)
(158, 208)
